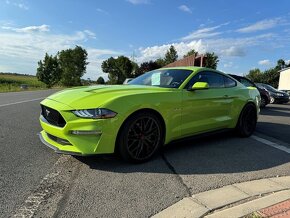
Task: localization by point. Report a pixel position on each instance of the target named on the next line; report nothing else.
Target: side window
(229, 82)
(214, 80)
(247, 83)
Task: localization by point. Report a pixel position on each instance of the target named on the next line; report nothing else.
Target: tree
(147, 66)
(135, 68)
(160, 62)
(211, 60)
(73, 64)
(48, 70)
(118, 69)
(270, 76)
(281, 64)
(100, 80)
(171, 55)
(255, 75)
(191, 52)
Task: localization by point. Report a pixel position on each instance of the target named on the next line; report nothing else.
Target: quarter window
(229, 82)
(247, 83)
(214, 80)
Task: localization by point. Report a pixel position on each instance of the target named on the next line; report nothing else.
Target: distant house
(192, 60)
(284, 80)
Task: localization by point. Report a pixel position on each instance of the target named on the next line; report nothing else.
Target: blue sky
(245, 34)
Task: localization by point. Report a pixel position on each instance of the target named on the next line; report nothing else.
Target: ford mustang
(154, 109)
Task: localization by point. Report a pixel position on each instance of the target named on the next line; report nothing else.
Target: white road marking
(31, 204)
(272, 144)
(20, 102)
(48, 185)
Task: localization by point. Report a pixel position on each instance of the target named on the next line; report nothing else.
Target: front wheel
(140, 137)
(247, 121)
(272, 100)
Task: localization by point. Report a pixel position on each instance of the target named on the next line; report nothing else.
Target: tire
(263, 102)
(272, 100)
(140, 137)
(247, 121)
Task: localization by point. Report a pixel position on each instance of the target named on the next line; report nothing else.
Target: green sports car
(154, 109)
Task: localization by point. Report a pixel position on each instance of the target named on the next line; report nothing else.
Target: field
(12, 82)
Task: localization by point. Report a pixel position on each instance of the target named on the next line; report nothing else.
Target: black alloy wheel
(247, 121)
(140, 138)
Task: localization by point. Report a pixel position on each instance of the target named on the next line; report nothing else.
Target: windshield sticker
(155, 79)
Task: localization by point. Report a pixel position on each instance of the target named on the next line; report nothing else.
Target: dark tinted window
(229, 82)
(214, 80)
(246, 82)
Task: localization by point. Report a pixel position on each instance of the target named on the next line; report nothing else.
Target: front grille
(52, 116)
(58, 140)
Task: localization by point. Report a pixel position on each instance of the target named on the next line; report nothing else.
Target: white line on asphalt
(20, 102)
(272, 144)
(48, 187)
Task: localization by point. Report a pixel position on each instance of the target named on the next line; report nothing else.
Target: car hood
(95, 96)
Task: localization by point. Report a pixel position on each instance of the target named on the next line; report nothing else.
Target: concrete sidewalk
(237, 200)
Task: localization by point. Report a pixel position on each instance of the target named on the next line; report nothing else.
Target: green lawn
(12, 82)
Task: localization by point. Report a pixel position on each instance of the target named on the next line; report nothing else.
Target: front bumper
(281, 99)
(42, 139)
(79, 136)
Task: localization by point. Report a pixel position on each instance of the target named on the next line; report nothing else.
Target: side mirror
(199, 86)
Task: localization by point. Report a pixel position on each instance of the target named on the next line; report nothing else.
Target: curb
(247, 198)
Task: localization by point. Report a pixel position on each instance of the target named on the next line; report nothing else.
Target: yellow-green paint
(185, 112)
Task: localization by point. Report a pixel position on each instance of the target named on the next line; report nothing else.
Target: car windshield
(166, 78)
(270, 88)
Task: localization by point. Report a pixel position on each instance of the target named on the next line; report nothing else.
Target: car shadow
(282, 107)
(275, 111)
(219, 153)
(274, 130)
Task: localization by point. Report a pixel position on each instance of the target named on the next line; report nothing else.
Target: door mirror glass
(200, 86)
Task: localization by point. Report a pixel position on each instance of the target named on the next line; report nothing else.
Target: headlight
(279, 94)
(98, 113)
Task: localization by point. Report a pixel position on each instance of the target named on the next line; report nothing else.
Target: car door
(208, 109)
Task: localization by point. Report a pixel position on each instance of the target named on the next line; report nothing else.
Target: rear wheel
(140, 138)
(247, 121)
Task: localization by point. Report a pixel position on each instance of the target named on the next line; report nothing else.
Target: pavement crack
(178, 177)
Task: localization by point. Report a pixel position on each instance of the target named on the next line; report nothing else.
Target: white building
(284, 80)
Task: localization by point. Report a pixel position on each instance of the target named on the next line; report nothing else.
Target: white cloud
(90, 34)
(224, 47)
(203, 33)
(28, 29)
(264, 62)
(139, 2)
(154, 52)
(20, 5)
(287, 61)
(20, 51)
(261, 25)
(228, 64)
(234, 51)
(185, 8)
(102, 11)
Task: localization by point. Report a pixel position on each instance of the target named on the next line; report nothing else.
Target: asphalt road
(108, 187)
